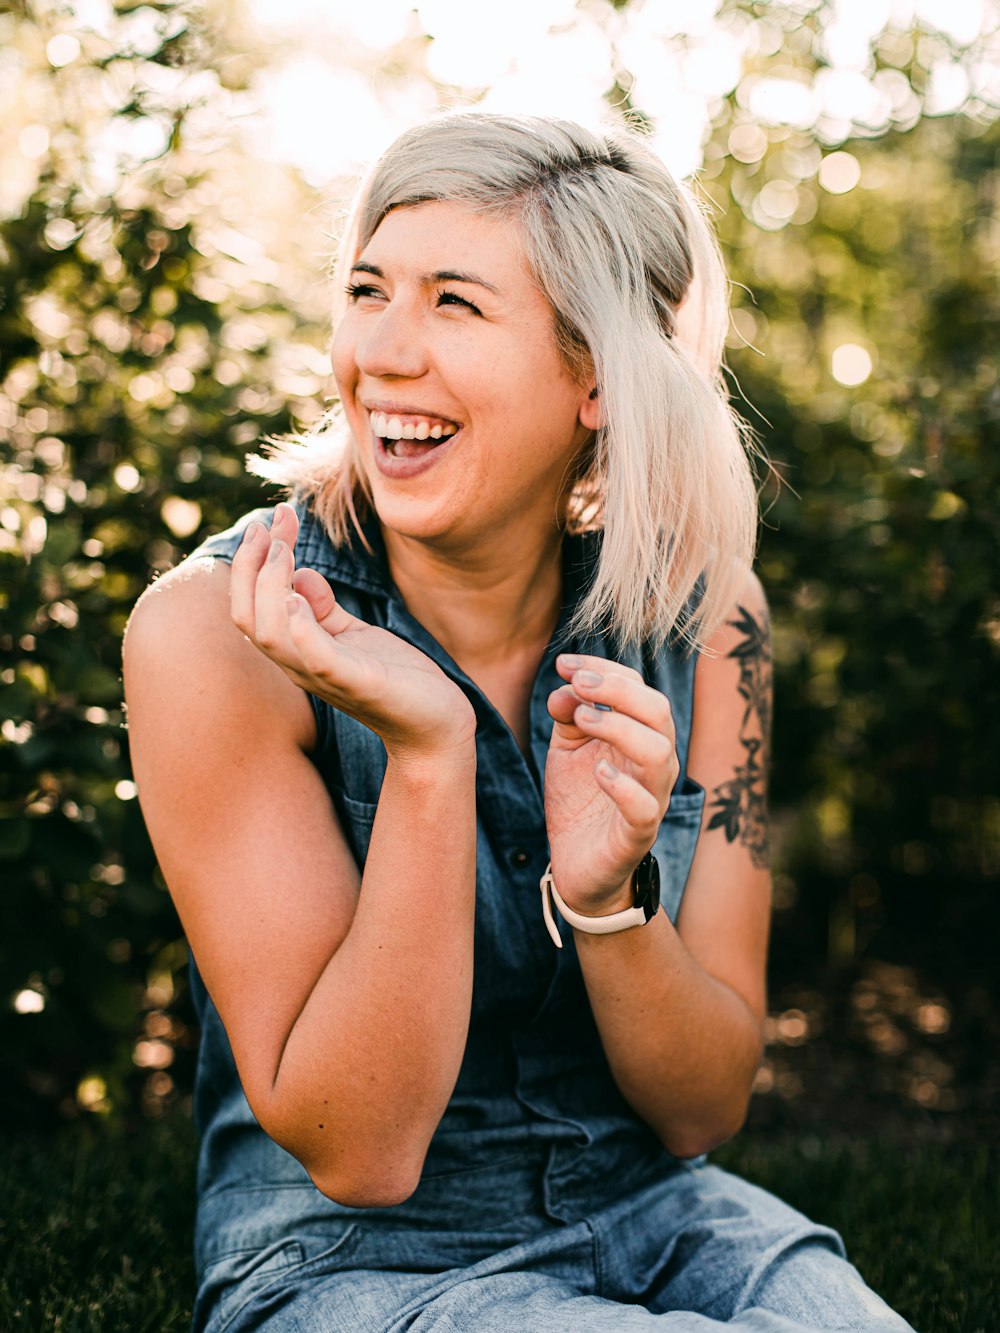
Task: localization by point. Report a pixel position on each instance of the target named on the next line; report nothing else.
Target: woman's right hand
(293, 617)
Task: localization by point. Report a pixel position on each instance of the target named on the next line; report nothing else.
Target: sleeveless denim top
(535, 1115)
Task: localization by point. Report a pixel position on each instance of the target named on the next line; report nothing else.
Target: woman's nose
(391, 345)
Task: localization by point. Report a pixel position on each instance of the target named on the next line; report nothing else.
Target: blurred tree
(878, 317)
(161, 309)
(145, 342)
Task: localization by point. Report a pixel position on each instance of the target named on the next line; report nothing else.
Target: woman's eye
(452, 298)
(355, 290)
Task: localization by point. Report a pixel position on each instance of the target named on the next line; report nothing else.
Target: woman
(504, 637)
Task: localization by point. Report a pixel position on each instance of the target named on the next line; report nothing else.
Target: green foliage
(880, 554)
(158, 316)
(138, 359)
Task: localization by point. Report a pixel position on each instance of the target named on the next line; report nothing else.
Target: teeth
(391, 428)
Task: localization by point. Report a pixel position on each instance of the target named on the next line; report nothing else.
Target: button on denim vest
(535, 1106)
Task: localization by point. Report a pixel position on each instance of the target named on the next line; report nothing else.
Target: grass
(920, 1222)
(95, 1224)
(95, 1230)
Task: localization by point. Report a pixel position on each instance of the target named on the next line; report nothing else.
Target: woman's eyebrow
(449, 275)
(442, 275)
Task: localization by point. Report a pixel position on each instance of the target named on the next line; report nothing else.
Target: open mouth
(411, 436)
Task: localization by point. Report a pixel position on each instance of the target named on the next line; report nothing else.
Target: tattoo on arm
(740, 804)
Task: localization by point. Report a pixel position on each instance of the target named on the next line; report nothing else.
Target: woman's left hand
(608, 779)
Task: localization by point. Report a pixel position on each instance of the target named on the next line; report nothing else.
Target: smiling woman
(449, 333)
(503, 638)
(615, 257)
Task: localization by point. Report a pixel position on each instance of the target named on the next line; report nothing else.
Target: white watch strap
(590, 925)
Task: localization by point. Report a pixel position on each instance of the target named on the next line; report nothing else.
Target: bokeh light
(29, 1002)
(851, 364)
(839, 172)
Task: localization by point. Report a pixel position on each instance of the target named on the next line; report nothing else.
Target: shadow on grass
(96, 1223)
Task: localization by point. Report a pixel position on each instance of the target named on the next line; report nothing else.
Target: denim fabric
(545, 1202)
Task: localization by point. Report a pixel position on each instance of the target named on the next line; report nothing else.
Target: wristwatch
(645, 904)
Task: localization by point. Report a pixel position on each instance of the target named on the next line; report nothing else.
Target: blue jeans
(698, 1249)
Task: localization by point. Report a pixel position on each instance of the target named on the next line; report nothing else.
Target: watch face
(647, 885)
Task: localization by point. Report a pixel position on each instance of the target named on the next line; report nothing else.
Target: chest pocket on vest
(356, 779)
(356, 818)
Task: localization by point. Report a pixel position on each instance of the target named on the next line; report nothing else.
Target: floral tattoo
(740, 804)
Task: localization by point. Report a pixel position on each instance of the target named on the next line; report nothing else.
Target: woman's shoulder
(746, 619)
(186, 603)
(181, 636)
(186, 609)
(224, 545)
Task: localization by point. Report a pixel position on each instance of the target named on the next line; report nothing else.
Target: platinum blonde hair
(626, 258)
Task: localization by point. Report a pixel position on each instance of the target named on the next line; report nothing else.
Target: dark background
(145, 348)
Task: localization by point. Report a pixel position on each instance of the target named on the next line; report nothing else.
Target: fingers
(246, 565)
(329, 614)
(608, 702)
(274, 583)
(309, 647)
(637, 805)
(650, 753)
(563, 702)
(567, 664)
(623, 690)
(290, 614)
(250, 558)
(562, 705)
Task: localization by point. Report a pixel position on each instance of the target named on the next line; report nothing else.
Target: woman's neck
(488, 605)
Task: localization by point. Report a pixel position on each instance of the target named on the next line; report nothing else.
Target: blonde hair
(632, 270)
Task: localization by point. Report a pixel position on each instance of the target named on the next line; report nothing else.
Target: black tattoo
(741, 803)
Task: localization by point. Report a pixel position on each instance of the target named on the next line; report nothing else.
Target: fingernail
(589, 678)
(276, 550)
(608, 770)
(252, 533)
(294, 603)
(568, 660)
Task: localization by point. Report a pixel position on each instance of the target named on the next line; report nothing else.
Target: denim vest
(535, 1100)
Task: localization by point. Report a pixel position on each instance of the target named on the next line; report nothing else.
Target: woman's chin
(418, 519)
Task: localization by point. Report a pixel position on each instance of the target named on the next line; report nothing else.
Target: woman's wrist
(600, 903)
(436, 742)
(443, 759)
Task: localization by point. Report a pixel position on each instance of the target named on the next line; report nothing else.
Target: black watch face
(647, 885)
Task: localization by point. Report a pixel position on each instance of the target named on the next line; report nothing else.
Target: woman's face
(447, 339)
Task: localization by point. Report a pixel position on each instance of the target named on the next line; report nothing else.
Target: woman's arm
(681, 1010)
(346, 1002)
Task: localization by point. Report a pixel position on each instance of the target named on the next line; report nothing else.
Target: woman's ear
(592, 410)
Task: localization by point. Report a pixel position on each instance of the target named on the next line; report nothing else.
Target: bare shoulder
(181, 636)
(189, 601)
(746, 626)
(734, 667)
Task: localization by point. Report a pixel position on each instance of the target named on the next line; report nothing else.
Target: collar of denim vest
(368, 571)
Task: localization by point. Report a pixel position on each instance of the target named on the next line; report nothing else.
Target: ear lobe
(592, 410)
